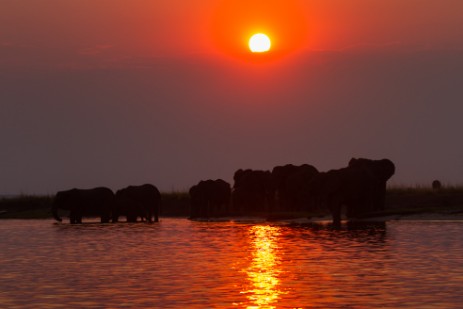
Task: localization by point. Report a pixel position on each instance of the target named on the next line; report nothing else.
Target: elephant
(292, 185)
(196, 201)
(138, 201)
(253, 191)
(342, 187)
(360, 187)
(280, 175)
(436, 185)
(379, 171)
(209, 198)
(84, 202)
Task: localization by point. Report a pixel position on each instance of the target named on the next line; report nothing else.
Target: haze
(112, 93)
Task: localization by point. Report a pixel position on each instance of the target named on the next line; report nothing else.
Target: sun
(284, 28)
(259, 43)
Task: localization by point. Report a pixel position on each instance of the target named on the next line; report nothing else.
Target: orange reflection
(263, 273)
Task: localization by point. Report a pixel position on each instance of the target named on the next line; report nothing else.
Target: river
(178, 263)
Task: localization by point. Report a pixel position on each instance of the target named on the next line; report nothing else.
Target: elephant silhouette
(138, 201)
(436, 185)
(360, 188)
(209, 198)
(292, 183)
(379, 172)
(253, 191)
(84, 202)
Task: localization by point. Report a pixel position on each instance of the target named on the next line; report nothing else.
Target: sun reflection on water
(263, 273)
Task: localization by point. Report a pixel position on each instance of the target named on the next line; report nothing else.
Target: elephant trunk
(54, 211)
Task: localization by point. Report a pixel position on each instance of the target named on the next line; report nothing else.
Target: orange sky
(234, 22)
(117, 29)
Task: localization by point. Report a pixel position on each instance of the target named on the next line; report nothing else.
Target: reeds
(419, 189)
(399, 199)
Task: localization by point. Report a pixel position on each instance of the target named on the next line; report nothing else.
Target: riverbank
(402, 203)
(174, 204)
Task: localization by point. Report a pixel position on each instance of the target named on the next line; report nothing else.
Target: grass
(400, 200)
(423, 190)
(26, 207)
(39, 207)
(421, 199)
(175, 204)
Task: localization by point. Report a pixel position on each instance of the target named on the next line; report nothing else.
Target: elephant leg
(336, 217)
(146, 217)
(72, 217)
(150, 216)
(336, 214)
(105, 218)
(78, 216)
(201, 210)
(75, 217)
(156, 214)
(208, 209)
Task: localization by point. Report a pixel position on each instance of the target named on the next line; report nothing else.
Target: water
(183, 264)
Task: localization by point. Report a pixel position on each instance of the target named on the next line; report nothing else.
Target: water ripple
(180, 263)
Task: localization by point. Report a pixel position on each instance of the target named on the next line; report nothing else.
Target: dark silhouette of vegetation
(176, 204)
(26, 207)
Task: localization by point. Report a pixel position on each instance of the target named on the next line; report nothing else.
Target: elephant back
(382, 169)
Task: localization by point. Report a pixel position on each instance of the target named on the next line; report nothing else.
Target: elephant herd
(360, 188)
(357, 189)
(132, 202)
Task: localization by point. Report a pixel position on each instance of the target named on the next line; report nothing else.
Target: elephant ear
(382, 169)
(386, 169)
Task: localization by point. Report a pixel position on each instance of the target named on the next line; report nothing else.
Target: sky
(116, 93)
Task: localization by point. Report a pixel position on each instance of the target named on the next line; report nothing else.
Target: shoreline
(410, 204)
(325, 220)
(425, 216)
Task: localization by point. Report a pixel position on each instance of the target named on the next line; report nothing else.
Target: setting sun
(259, 43)
(233, 25)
